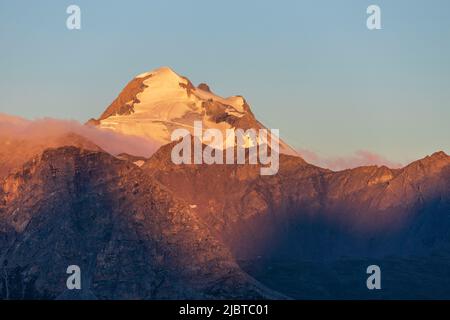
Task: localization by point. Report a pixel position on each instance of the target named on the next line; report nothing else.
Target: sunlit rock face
(129, 235)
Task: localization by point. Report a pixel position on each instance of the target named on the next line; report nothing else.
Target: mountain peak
(155, 103)
(428, 165)
(436, 157)
(439, 155)
(161, 72)
(165, 77)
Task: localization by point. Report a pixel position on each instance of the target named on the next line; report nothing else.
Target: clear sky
(310, 68)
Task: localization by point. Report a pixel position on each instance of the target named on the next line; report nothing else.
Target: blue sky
(310, 68)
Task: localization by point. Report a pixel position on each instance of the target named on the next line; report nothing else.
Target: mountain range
(142, 227)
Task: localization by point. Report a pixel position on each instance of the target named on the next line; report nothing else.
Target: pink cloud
(41, 129)
(357, 159)
(115, 143)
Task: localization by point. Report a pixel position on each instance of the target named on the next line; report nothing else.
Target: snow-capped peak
(155, 103)
(164, 75)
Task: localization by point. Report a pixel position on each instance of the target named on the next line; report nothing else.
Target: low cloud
(41, 129)
(357, 159)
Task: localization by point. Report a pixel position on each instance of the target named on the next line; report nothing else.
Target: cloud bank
(358, 159)
(44, 129)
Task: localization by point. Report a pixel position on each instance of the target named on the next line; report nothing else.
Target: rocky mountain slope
(128, 234)
(159, 230)
(308, 212)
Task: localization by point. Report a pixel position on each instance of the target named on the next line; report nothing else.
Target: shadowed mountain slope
(308, 212)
